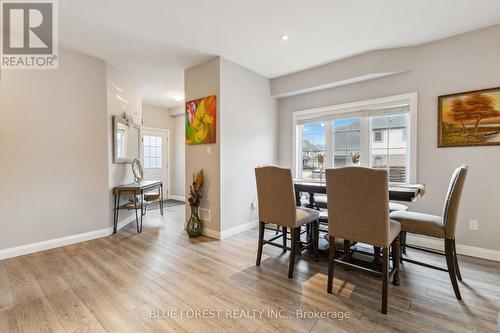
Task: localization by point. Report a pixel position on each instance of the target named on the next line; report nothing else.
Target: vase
(194, 227)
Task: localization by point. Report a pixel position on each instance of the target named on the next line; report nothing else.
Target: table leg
(161, 199)
(297, 198)
(139, 227)
(376, 256)
(311, 200)
(115, 212)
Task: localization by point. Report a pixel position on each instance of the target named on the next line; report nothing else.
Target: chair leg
(315, 239)
(277, 229)
(457, 269)
(450, 262)
(396, 254)
(262, 227)
(285, 233)
(385, 279)
(376, 255)
(403, 242)
(331, 257)
(347, 249)
(291, 265)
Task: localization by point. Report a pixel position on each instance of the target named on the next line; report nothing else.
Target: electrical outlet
(473, 225)
(209, 150)
(253, 205)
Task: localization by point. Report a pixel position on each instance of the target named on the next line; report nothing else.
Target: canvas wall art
(201, 120)
(469, 118)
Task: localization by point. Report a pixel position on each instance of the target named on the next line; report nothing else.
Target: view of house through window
(389, 151)
(346, 141)
(379, 138)
(313, 144)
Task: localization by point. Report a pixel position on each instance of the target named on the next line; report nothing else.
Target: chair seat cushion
(394, 230)
(418, 223)
(306, 215)
(397, 207)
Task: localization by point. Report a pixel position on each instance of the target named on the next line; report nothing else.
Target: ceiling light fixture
(284, 37)
(177, 96)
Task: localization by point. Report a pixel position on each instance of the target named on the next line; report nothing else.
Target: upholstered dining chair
(358, 210)
(439, 227)
(276, 197)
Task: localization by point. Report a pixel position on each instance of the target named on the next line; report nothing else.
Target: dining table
(397, 191)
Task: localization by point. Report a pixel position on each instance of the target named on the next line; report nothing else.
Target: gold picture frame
(469, 119)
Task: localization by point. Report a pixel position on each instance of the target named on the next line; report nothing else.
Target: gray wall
(119, 174)
(201, 81)
(53, 152)
(179, 162)
(246, 137)
(461, 63)
(248, 121)
(158, 117)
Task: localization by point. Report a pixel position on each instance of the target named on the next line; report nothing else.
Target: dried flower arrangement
(196, 189)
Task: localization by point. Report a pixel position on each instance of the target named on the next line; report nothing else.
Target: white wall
(179, 162)
(120, 88)
(461, 63)
(53, 151)
(248, 138)
(157, 117)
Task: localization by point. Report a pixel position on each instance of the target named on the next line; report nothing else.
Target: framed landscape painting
(469, 118)
(201, 120)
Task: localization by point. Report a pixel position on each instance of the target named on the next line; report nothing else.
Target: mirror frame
(116, 120)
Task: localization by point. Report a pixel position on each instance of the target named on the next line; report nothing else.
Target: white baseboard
(239, 228)
(63, 241)
(231, 231)
(466, 250)
(177, 197)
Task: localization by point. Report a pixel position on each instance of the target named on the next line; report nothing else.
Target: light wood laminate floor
(114, 283)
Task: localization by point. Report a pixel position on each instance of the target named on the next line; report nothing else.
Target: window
(390, 154)
(346, 141)
(153, 150)
(312, 145)
(382, 132)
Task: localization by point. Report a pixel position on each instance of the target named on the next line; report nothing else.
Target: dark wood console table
(135, 189)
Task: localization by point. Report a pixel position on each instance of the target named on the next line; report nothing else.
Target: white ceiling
(153, 41)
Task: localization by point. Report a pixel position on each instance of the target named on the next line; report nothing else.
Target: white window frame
(344, 110)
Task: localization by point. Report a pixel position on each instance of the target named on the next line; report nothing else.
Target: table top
(398, 192)
(137, 187)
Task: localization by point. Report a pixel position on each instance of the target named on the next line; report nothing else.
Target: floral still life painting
(201, 120)
(469, 119)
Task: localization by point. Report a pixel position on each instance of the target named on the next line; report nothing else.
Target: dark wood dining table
(397, 192)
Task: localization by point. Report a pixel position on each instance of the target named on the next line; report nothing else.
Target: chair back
(276, 196)
(358, 205)
(452, 203)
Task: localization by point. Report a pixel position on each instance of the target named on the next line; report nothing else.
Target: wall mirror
(126, 141)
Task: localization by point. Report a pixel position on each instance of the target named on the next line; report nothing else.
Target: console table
(135, 189)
